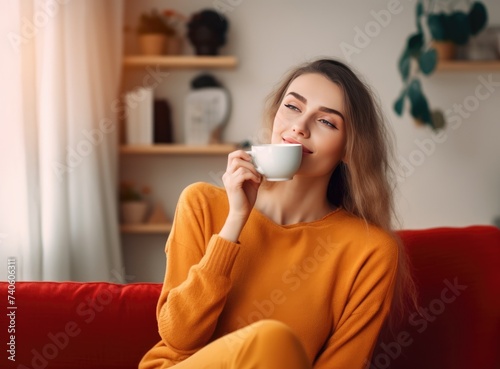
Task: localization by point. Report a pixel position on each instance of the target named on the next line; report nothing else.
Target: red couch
(104, 325)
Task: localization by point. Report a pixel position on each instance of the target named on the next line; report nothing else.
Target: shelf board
(468, 66)
(177, 149)
(146, 228)
(181, 61)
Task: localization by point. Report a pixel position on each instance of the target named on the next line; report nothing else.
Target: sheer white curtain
(60, 72)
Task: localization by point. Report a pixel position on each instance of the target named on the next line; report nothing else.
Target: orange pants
(266, 344)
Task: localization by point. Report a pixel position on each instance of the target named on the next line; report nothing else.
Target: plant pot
(446, 50)
(133, 212)
(152, 43)
(175, 45)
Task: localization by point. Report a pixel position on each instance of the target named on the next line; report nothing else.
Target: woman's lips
(305, 150)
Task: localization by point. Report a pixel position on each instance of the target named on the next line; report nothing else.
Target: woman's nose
(301, 127)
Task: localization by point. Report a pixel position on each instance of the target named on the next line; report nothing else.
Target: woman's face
(312, 114)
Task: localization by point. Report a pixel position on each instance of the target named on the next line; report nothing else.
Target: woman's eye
(327, 123)
(292, 107)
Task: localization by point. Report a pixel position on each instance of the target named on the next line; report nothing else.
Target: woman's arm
(197, 278)
(354, 338)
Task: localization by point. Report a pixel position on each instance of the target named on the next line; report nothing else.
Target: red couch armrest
(81, 325)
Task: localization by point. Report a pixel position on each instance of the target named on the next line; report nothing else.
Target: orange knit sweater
(330, 280)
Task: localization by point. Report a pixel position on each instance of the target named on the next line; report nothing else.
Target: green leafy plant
(129, 192)
(154, 22)
(436, 21)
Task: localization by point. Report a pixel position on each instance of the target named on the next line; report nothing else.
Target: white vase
(133, 212)
(153, 43)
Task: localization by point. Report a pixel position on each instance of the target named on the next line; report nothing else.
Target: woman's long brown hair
(365, 185)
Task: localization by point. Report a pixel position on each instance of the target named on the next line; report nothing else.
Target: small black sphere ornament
(207, 31)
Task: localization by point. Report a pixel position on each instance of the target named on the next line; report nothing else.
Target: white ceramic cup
(277, 162)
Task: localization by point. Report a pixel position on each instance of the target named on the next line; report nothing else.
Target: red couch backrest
(458, 276)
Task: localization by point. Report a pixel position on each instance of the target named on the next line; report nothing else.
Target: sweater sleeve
(197, 278)
(353, 340)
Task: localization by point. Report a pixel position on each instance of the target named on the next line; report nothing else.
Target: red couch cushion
(458, 276)
(81, 325)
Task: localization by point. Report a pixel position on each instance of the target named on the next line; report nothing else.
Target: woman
(295, 274)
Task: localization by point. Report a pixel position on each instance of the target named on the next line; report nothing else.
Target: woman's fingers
(240, 159)
(240, 175)
(240, 172)
(238, 164)
(242, 182)
(237, 155)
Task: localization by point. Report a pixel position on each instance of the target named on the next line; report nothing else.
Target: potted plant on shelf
(177, 22)
(440, 26)
(133, 204)
(153, 33)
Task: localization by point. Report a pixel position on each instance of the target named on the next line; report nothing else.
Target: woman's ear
(345, 158)
(346, 154)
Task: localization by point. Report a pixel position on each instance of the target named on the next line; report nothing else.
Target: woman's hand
(242, 182)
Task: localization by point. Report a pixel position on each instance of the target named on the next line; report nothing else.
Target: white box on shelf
(139, 116)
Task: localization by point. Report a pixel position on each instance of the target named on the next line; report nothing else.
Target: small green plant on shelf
(130, 192)
(437, 21)
(154, 23)
(133, 203)
(161, 32)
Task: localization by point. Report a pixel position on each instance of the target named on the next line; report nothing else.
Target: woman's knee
(274, 331)
(273, 344)
(277, 338)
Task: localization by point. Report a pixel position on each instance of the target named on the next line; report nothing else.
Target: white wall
(455, 182)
